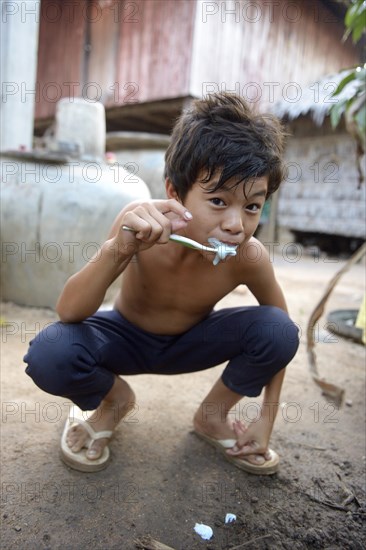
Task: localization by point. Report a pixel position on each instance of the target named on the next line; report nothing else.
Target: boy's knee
(50, 363)
(283, 334)
(66, 365)
(274, 335)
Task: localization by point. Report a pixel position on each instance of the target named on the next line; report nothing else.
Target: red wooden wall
(60, 53)
(127, 51)
(120, 51)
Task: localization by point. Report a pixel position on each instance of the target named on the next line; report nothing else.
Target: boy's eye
(254, 207)
(217, 202)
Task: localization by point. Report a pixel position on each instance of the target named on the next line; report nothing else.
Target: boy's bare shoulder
(257, 273)
(253, 257)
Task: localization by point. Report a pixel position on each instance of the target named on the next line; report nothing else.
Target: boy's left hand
(252, 440)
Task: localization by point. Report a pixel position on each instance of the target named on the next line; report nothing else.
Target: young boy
(223, 162)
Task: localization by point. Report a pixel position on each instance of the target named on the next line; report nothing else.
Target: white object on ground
(230, 518)
(204, 531)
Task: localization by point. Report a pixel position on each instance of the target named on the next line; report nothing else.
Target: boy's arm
(255, 439)
(262, 280)
(84, 292)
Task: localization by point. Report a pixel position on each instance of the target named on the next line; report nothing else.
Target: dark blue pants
(80, 360)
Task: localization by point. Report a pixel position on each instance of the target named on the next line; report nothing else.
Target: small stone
(253, 500)
(349, 402)
(5, 516)
(313, 537)
(17, 528)
(297, 456)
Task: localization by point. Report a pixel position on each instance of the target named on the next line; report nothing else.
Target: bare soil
(162, 479)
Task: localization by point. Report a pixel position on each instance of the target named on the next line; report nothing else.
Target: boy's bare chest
(188, 287)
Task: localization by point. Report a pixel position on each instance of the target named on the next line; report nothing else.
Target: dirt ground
(162, 480)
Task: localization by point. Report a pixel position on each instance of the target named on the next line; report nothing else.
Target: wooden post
(272, 222)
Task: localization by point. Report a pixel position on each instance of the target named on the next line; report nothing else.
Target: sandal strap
(102, 434)
(227, 443)
(92, 433)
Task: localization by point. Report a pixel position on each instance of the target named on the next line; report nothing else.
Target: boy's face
(230, 214)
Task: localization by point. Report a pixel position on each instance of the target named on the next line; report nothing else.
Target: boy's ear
(170, 190)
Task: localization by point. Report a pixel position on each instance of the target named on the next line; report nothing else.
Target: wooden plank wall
(102, 42)
(154, 53)
(118, 51)
(321, 193)
(60, 53)
(240, 46)
(124, 51)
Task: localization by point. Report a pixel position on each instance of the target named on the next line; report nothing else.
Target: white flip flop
(79, 461)
(269, 467)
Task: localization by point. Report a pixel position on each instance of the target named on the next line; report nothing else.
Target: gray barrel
(54, 218)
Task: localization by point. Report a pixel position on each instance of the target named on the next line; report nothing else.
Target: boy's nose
(233, 223)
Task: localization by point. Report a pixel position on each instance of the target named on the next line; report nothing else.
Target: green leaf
(359, 86)
(358, 29)
(355, 20)
(354, 12)
(361, 119)
(336, 112)
(348, 78)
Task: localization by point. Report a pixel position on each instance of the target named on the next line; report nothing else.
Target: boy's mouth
(228, 243)
(219, 242)
(223, 249)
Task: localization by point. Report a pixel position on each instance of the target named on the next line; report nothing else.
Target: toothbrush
(221, 249)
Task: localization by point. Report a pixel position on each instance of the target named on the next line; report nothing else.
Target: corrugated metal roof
(316, 100)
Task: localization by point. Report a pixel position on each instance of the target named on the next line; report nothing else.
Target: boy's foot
(86, 435)
(77, 422)
(101, 420)
(223, 437)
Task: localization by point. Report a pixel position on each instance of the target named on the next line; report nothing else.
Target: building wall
(123, 51)
(154, 54)
(321, 194)
(264, 50)
(60, 54)
(18, 61)
(117, 51)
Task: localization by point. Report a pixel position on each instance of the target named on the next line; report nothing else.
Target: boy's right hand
(151, 223)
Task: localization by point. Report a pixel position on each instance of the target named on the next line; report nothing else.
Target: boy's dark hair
(220, 134)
